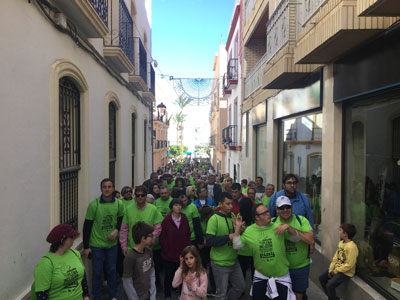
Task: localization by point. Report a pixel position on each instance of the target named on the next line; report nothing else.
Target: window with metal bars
(69, 150)
(112, 139)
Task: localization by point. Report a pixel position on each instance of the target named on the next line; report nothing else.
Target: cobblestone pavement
(314, 292)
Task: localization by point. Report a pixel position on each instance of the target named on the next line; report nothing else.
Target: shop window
(300, 149)
(372, 188)
(261, 152)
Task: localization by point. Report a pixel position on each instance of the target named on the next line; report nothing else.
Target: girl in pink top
(191, 275)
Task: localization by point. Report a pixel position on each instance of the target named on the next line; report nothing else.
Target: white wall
(30, 45)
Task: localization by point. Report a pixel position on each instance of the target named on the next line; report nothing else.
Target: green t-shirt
(105, 217)
(133, 214)
(163, 206)
(267, 248)
(60, 274)
(126, 203)
(266, 200)
(296, 252)
(244, 190)
(170, 186)
(191, 212)
(222, 255)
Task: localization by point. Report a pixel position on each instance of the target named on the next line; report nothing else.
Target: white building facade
(233, 93)
(77, 92)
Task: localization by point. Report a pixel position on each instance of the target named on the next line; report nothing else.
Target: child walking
(139, 276)
(191, 275)
(343, 265)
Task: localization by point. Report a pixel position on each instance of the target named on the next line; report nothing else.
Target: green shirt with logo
(104, 216)
(219, 225)
(163, 206)
(267, 248)
(266, 200)
(296, 252)
(60, 274)
(149, 214)
(191, 212)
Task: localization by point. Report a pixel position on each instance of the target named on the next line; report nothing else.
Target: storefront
(371, 147)
(299, 116)
(259, 121)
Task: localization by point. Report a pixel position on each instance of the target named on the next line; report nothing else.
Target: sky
(185, 38)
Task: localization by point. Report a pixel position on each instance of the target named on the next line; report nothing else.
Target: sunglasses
(263, 213)
(128, 191)
(140, 195)
(287, 207)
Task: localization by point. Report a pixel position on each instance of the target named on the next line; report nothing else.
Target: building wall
(29, 137)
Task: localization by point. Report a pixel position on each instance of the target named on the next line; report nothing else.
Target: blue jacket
(301, 206)
(209, 202)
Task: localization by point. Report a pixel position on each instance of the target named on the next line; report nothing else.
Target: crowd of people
(187, 228)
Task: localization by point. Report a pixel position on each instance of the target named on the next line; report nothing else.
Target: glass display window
(300, 153)
(372, 188)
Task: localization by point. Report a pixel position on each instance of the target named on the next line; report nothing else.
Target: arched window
(69, 150)
(112, 141)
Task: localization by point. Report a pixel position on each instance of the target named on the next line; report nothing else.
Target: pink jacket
(196, 291)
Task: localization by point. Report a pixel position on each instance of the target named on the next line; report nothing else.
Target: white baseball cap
(283, 200)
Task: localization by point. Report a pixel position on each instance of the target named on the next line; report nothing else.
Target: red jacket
(172, 239)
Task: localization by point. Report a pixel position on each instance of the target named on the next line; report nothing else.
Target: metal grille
(233, 69)
(133, 147)
(112, 139)
(101, 7)
(142, 61)
(152, 80)
(69, 150)
(125, 31)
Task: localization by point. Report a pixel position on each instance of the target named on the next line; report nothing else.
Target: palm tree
(179, 118)
(182, 102)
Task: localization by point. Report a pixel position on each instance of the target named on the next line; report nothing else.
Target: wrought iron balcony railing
(141, 69)
(232, 69)
(125, 35)
(229, 135)
(213, 139)
(278, 29)
(152, 87)
(291, 134)
(101, 7)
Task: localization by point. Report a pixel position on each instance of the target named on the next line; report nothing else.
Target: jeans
(329, 284)
(108, 257)
(223, 275)
(260, 288)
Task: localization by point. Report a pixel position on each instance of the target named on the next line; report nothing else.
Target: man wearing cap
(265, 241)
(296, 252)
(100, 232)
(300, 203)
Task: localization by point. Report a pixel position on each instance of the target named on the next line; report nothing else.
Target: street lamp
(161, 111)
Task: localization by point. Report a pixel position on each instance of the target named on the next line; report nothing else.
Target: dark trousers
(158, 264)
(260, 288)
(329, 284)
(205, 261)
(170, 268)
(120, 261)
(246, 262)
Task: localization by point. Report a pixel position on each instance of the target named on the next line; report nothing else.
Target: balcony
(138, 79)
(378, 7)
(225, 82)
(89, 16)
(281, 72)
(249, 5)
(213, 139)
(232, 73)
(254, 78)
(151, 94)
(230, 138)
(291, 134)
(334, 29)
(118, 46)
